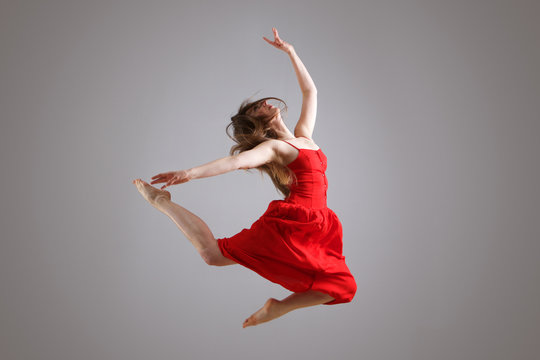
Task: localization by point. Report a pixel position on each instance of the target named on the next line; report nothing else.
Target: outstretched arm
(306, 123)
(261, 154)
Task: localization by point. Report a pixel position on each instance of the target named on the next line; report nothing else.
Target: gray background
(428, 113)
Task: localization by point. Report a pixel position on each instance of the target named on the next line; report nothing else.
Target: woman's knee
(214, 257)
(351, 288)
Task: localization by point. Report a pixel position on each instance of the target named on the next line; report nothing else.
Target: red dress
(297, 242)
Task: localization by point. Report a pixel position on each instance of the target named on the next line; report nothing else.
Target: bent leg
(190, 224)
(304, 299)
(197, 232)
(273, 308)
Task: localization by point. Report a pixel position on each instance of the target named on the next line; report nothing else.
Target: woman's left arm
(304, 79)
(306, 123)
(302, 75)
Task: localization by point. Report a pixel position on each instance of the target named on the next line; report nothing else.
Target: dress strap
(291, 144)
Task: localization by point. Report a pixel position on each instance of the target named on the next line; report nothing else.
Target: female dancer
(297, 242)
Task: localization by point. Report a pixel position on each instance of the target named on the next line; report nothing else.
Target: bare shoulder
(304, 142)
(285, 153)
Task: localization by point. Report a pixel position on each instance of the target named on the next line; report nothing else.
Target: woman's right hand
(279, 43)
(171, 178)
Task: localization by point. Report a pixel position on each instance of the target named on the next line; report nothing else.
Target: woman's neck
(282, 130)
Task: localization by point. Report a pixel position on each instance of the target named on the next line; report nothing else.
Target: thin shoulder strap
(291, 144)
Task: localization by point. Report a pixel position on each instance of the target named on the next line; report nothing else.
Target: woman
(297, 242)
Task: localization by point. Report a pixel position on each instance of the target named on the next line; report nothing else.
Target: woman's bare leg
(190, 224)
(274, 308)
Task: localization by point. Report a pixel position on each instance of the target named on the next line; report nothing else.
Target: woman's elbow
(235, 162)
(311, 89)
(239, 163)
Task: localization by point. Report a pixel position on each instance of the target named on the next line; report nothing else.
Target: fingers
(172, 181)
(159, 180)
(277, 44)
(170, 178)
(167, 184)
(269, 41)
(163, 175)
(276, 35)
(176, 180)
(159, 175)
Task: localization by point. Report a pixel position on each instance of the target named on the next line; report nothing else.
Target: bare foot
(150, 193)
(269, 311)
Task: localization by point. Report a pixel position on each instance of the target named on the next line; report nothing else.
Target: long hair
(249, 131)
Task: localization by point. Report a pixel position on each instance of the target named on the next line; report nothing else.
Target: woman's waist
(312, 199)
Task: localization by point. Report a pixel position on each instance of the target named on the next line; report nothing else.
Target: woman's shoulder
(300, 142)
(286, 153)
(304, 142)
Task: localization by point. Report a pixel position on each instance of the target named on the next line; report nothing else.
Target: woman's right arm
(213, 168)
(261, 154)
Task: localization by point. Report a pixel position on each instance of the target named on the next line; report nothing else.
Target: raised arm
(304, 79)
(306, 123)
(261, 154)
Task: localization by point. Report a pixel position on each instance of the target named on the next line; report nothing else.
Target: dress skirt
(295, 246)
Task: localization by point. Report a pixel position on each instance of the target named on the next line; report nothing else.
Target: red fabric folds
(297, 242)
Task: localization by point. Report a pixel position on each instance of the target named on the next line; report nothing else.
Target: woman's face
(263, 108)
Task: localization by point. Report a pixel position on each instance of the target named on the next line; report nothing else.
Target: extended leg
(190, 224)
(273, 308)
